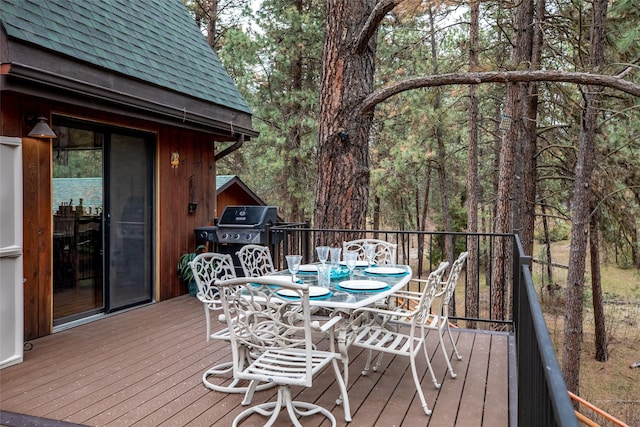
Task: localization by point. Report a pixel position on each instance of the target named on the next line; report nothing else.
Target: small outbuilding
(231, 191)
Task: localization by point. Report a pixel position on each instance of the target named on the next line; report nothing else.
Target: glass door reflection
(77, 224)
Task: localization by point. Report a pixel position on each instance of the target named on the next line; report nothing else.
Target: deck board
(144, 368)
(447, 405)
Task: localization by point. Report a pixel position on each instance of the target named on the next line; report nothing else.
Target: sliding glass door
(130, 209)
(102, 217)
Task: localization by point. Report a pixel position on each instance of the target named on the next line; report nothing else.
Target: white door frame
(11, 274)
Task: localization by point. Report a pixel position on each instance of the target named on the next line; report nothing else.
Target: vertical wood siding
(173, 224)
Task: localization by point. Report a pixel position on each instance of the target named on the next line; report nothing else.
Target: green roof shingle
(156, 41)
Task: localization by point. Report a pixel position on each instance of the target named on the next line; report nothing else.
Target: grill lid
(248, 216)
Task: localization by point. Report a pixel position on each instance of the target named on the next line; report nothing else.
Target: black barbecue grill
(239, 226)
(246, 224)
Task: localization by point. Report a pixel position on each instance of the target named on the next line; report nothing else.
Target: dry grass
(612, 385)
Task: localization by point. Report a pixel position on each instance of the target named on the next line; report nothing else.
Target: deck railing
(542, 395)
(498, 294)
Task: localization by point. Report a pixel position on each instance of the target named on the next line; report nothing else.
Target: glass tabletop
(355, 295)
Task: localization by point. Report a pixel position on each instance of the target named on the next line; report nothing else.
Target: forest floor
(612, 386)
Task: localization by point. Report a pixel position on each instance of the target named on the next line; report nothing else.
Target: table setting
(340, 280)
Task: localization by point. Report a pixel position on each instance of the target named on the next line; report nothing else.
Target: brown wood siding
(36, 237)
(174, 225)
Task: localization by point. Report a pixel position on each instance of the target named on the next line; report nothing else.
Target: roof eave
(41, 73)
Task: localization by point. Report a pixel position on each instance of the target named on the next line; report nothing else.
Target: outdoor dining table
(342, 300)
(345, 299)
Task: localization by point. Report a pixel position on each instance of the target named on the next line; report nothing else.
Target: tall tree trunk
(572, 345)
(442, 158)
(602, 355)
(423, 215)
(530, 137)
(472, 169)
(507, 213)
(292, 151)
(212, 13)
(342, 191)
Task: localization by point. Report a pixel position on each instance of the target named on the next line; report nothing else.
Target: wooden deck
(144, 368)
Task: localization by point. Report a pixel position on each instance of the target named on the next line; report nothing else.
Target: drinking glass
(369, 252)
(293, 262)
(335, 255)
(351, 259)
(323, 253)
(324, 275)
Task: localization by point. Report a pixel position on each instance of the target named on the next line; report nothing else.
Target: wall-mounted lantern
(40, 127)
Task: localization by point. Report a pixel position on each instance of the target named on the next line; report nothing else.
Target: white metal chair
(279, 328)
(208, 267)
(256, 260)
(440, 321)
(374, 329)
(385, 251)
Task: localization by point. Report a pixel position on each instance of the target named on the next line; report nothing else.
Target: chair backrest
(256, 260)
(385, 251)
(261, 320)
(449, 286)
(208, 267)
(429, 292)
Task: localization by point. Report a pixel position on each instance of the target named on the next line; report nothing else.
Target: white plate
(359, 263)
(385, 270)
(362, 284)
(314, 291)
(308, 268)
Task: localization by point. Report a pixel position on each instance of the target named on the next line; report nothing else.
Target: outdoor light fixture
(41, 129)
(175, 159)
(192, 204)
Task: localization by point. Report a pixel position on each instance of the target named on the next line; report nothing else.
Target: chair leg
(367, 365)
(455, 349)
(433, 375)
(342, 384)
(270, 409)
(208, 321)
(295, 409)
(378, 362)
(248, 396)
(416, 380)
(444, 351)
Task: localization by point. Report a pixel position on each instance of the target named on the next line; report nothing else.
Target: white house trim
(11, 275)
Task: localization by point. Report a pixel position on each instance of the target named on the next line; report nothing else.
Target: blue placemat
(325, 296)
(356, 291)
(366, 273)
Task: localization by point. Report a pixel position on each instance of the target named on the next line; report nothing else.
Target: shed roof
(223, 182)
(152, 41)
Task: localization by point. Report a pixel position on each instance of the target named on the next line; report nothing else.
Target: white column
(11, 275)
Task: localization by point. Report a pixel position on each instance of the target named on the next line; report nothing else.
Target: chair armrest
(406, 300)
(406, 294)
(441, 286)
(383, 312)
(325, 326)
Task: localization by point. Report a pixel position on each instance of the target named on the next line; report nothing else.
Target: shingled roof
(153, 41)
